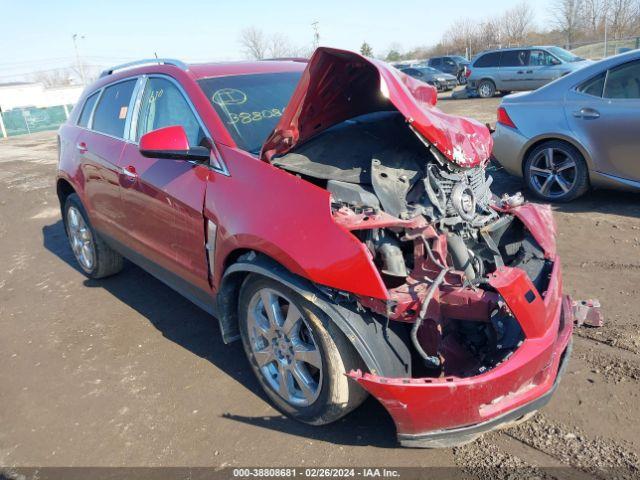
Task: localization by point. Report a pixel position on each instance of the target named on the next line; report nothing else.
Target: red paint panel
(338, 85)
(167, 138)
(305, 238)
(523, 300)
(420, 405)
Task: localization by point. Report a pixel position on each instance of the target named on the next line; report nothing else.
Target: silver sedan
(580, 131)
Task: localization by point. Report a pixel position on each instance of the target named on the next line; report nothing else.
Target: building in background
(27, 107)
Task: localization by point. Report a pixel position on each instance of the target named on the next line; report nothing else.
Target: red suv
(338, 223)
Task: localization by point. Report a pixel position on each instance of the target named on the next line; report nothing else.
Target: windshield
(250, 105)
(564, 55)
(430, 70)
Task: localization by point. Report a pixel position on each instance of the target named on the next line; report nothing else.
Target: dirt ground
(125, 372)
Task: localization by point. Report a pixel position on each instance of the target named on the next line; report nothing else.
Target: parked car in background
(442, 81)
(455, 65)
(337, 223)
(580, 131)
(519, 69)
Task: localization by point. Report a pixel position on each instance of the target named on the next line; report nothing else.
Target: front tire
(486, 89)
(94, 256)
(298, 355)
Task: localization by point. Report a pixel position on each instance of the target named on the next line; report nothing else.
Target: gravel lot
(125, 372)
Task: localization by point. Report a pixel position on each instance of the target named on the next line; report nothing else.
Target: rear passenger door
(603, 113)
(163, 199)
(514, 72)
(99, 146)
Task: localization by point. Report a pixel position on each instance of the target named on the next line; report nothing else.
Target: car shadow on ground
(183, 323)
(610, 202)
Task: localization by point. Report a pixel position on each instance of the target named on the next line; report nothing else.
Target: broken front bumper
(442, 412)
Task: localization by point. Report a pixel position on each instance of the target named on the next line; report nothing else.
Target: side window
(163, 105)
(111, 112)
(623, 81)
(541, 58)
(436, 62)
(83, 121)
(593, 86)
(449, 62)
(514, 58)
(488, 60)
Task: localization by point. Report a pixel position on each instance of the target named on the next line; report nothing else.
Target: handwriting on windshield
(245, 118)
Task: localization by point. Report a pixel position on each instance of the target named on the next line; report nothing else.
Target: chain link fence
(21, 121)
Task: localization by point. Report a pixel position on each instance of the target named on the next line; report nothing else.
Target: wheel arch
(63, 190)
(383, 348)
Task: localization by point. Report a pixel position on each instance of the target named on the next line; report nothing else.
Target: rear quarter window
(111, 113)
(488, 60)
(85, 116)
(593, 86)
(623, 82)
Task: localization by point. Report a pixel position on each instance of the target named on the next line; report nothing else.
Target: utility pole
(78, 62)
(316, 35)
(605, 34)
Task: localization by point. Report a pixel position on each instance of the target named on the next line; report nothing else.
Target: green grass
(595, 51)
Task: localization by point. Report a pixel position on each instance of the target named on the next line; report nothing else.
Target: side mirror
(171, 142)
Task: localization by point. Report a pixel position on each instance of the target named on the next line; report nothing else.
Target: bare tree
(517, 23)
(53, 78)
(462, 36)
(592, 16)
(489, 34)
(567, 18)
(84, 71)
(254, 43)
(622, 16)
(279, 46)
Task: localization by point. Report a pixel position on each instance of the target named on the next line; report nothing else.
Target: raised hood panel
(338, 85)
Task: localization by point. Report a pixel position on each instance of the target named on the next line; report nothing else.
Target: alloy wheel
(553, 172)
(284, 348)
(80, 239)
(485, 90)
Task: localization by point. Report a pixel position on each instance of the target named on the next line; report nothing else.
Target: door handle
(130, 172)
(81, 147)
(529, 71)
(520, 72)
(586, 113)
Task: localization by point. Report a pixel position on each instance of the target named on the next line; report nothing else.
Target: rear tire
(486, 89)
(94, 256)
(298, 355)
(555, 171)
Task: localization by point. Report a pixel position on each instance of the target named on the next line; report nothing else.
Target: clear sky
(36, 34)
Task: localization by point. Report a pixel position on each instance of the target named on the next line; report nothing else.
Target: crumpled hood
(338, 85)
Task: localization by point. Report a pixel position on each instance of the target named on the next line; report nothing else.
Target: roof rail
(147, 61)
(286, 59)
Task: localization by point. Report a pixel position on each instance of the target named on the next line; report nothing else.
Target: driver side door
(163, 199)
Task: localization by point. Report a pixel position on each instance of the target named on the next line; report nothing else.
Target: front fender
(262, 208)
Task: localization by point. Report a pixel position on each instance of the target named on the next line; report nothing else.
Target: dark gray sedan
(442, 81)
(580, 131)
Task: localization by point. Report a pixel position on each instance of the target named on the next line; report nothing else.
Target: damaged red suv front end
(470, 282)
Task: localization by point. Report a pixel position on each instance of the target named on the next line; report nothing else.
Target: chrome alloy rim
(553, 172)
(80, 239)
(485, 89)
(284, 348)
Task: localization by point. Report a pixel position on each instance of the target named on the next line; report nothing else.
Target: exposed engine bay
(435, 232)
